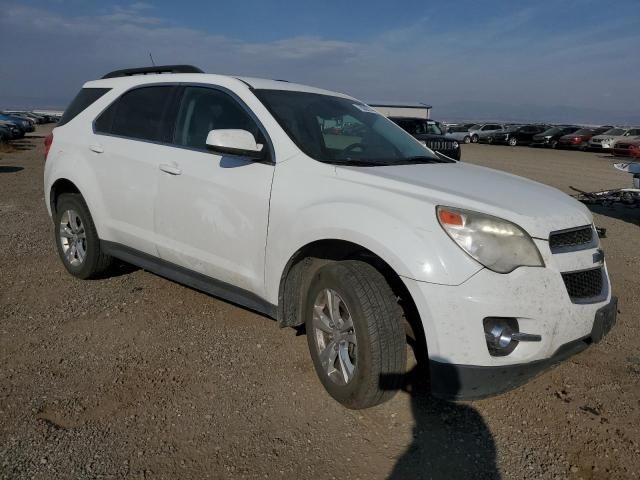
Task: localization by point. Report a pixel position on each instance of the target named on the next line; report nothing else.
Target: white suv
(310, 207)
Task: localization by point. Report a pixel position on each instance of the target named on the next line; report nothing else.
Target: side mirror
(235, 142)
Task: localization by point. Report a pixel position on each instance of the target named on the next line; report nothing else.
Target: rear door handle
(96, 149)
(170, 169)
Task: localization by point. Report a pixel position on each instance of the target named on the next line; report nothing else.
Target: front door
(212, 210)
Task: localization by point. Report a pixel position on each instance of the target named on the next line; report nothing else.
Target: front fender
(411, 252)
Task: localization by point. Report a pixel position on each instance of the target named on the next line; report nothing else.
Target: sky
(543, 60)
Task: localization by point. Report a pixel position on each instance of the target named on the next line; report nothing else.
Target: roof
(242, 82)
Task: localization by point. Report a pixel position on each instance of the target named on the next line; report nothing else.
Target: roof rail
(127, 72)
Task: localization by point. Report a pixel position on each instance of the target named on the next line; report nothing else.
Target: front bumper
(472, 382)
(537, 297)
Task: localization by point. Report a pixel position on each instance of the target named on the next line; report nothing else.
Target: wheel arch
(60, 186)
(307, 259)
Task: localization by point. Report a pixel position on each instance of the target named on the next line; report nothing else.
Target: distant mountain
(475, 110)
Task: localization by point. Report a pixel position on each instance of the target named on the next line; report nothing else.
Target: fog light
(499, 333)
(502, 335)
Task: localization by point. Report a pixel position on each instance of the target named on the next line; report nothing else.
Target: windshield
(417, 126)
(583, 131)
(552, 131)
(614, 132)
(477, 126)
(343, 131)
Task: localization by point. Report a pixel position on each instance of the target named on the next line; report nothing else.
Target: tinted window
(139, 114)
(85, 97)
(205, 109)
(633, 131)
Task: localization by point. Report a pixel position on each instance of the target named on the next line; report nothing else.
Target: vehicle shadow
(450, 440)
(619, 212)
(10, 169)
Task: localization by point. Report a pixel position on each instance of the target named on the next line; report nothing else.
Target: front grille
(440, 145)
(584, 284)
(573, 239)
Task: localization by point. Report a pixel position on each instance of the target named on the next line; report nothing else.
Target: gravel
(133, 376)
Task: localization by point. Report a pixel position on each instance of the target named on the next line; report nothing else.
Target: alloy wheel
(334, 335)
(73, 238)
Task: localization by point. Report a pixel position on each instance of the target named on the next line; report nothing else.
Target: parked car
(517, 135)
(576, 140)
(231, 186)
(21, 123)
(482, 131)
(605, 141)
(12, 130)
(5, 134)
(550, 137)
(629, 147)
(459, 133)
(430, 134)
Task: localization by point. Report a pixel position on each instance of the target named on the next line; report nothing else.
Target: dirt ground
(134, 376)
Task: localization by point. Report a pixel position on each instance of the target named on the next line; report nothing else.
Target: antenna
(151, 57)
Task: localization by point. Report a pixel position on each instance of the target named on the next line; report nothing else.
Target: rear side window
(139, 114)
(85, 97)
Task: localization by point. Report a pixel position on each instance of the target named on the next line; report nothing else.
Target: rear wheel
(467, 139)
(355, 333)
(77, 239)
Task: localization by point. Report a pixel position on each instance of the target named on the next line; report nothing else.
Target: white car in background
(314, 209)
(483, 131)
(606, 140)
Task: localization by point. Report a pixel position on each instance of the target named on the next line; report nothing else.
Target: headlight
(497, 244)
(548, 137)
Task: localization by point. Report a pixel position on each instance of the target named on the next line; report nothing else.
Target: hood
(537, 208)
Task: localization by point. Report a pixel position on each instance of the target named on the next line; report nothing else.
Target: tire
(513, 141)
(489, 140)
(77, 239)
(474, 139)
(368, 365)
(467, 139)
(554, 144)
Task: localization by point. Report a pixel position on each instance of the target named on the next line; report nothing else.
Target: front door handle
(170, 169)
(96, 149)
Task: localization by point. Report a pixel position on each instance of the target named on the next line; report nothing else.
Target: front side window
(139, 114)
(342, 131)
(204, 109)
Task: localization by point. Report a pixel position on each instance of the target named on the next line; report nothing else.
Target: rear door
(212, 210)
(127, 149)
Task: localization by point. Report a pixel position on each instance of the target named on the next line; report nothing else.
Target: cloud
(501, 61)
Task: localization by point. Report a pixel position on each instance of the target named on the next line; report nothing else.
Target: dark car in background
(517, 135)
(22, 124)
(12, 130)
(549, 138)
(430, 134)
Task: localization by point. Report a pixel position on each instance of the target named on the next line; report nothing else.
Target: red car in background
(627, 148)
(580, 138)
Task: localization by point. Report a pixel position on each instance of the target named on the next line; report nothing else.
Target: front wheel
(513, 141)
(467, 139)
(355, 333)
(474, 139)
